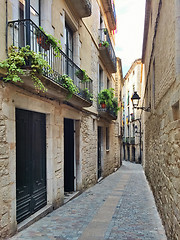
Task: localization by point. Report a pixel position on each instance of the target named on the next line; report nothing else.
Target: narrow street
(119, 207)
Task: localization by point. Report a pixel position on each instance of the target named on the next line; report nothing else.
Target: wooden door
(31, 193)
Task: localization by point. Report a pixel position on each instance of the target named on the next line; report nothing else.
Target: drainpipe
(7, 27)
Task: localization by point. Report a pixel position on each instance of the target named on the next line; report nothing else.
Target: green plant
(87, 94)
(18, 59)
(56, 44)
(67, 83)
(82, 75)
(105, 44)
(105, 31)
(106, 96)
(115, 107)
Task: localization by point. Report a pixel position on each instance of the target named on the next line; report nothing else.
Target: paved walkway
(120, 207)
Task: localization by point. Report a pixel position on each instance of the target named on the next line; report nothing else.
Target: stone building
(161, 55)
(55, 141)
(130, 115)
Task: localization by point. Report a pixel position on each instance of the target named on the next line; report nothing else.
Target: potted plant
(17, 61)
(42, 39)
(105, 97)
(100, 44)
(105, 44)
(82, 75)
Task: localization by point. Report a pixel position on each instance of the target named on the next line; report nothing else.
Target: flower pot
(42, 41)
(103, 105)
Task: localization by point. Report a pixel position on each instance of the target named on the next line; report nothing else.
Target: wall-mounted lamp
(135, 100)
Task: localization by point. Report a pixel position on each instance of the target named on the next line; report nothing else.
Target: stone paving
(121, 207)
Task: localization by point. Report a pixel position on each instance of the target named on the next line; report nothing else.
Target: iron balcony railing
(26, 32)
(105, 38)
(106, 110)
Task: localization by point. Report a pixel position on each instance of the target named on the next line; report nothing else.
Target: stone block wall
(162, 125)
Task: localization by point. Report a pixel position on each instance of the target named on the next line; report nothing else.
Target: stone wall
(162, 125)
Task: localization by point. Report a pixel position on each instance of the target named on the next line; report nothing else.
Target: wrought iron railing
(25, 32)
(110, 111)
(103, 38)
(132, 140)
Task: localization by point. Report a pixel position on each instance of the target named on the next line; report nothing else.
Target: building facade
(131, 116)
(162, 94)
(55, 141)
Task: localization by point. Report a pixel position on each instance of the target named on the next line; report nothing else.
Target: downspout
(7, 27)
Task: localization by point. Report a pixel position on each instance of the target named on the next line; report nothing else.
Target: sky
(130, 29)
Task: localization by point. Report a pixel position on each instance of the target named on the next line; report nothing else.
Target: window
(100, 78)
(30, 9)
(107, 138)
(107, 83)
(69, 50)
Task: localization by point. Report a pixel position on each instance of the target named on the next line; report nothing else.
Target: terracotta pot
(103, 105)
(42, 42)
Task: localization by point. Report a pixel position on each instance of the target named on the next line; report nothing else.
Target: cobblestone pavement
(121, 207)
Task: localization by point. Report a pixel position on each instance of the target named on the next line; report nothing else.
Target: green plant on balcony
(86, 94)
(49, 39)
(115, 106)
(107, 100)
(17, 61)
(82, 75)
(105, 97)
(103, 44)
(105, 31)
(68, 84)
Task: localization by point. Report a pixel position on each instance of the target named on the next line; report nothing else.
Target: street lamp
(135, 100)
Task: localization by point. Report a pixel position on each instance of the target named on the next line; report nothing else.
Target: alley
(119, 207)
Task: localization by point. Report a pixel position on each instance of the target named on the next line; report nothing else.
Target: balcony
(106, 50)
(109, 8)
(129, 140)
(25, 32)
(132, 140)
(82, 7)
(106, 113)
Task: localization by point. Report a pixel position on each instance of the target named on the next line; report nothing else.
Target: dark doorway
(99, 152)
(133, 154)
(31, 193)
(68, 155)
(128, 152)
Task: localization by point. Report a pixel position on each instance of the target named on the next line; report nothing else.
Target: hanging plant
(82, 75)
(19, 59)
(49, 39)
(68, 83)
